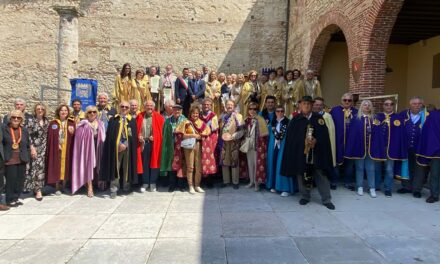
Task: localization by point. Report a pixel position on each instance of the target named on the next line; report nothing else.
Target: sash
(182, 81)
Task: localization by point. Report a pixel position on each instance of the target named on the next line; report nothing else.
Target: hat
(177, 106)
(306, 98)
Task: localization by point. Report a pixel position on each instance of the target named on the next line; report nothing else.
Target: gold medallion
(321, 122)
(396, 122)
(15, 146)
(376, 122)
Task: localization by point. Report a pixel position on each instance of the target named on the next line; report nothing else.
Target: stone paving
(221, 226)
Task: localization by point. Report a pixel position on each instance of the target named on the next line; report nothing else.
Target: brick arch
(375, 39)
(328, 24)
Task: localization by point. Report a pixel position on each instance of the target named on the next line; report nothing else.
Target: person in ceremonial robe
(134, 108)
(280, 75)
(311, 85)
(268, 112)
(60, 139)
(125, 87)
(256, 134)
(168, 109)
(250, 92)
(308, 156)
(292, 91)
(149, 130)
(235, 93)
(226, 90)
(87, 151)
(232, 130)
(77, 114)
(171, 150)
(119, 158)
(364, 145)
(166, 89)
(143, 87)
(213, 91)
(37, 128)
(276, 182)
(342, 116)
(429, 150)
(16, 147)
(209, 143)
(411, 172)
(195, 128)
(394, 145)
(105, 110)
(318, 107)
(271, 88)
(198, 88)
(154, 87)
(183, 92)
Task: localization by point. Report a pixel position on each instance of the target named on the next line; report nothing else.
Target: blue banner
(85, 90)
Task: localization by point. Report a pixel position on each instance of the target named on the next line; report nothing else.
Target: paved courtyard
(221, 226)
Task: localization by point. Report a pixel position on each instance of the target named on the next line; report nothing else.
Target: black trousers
(176, 182)
(417, 174)
(14, 181)
(2, 176)
(149, 175)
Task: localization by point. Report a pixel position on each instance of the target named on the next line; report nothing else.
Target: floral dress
(35, 175)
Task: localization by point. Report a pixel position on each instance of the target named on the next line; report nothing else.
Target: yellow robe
(292, 92)
(125, 90)
(271, 87)
(332, 134)
(243, 100)
(214, 91)
(143, 91)
(313, 88)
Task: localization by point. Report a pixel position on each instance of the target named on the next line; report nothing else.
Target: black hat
(177, 106)
(306, 98)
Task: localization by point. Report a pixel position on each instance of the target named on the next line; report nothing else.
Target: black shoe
(388, 193)
(432, 199)
(303, 202)
(209, 185)
(171, 189)
(403, 190)
(224, 185)
(330, 206)
(18, 203)
(333, 186)
(12, 204)
(417, 195)
(235, 186)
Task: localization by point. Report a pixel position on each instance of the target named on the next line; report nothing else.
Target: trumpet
(308, 151)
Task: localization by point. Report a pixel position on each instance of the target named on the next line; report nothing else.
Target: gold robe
(244, 97)
(125, 90)
(313, 88)
(143, 91)
(292, 92)
(271, 87)
(214, 91)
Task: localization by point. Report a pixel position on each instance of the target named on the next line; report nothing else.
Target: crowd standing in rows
(272, 130)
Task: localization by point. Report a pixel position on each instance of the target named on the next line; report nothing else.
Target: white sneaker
(250, 185)
(285, 194)
(153, 188)
(199, 190)
(360, 191)
(273, 190)
(191, 190)
(142, 190)
(373, 193)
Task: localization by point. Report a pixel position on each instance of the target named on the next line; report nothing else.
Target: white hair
(361, 113)
(416, 98)
(154, 104)
(350, 95)
(132, 101)
(103, 94)
(20, 100)
(169, 102)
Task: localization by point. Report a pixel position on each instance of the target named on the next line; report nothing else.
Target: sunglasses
(279, 111)
(16, 117)
(92, 112)
(347, 100)
(124, 106)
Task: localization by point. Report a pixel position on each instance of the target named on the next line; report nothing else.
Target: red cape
(156, 151)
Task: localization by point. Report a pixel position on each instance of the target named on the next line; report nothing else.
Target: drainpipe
(287, 34)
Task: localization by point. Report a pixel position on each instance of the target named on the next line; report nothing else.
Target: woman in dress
(17, 153)
(213, 91)
(194, 128)
(143, 92)
(125, 87)
(293, 90)
(37, 128)
(87, 150)
(59, 150)
(256, 137)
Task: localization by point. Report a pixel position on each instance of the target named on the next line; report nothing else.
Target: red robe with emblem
(209, 145)
(156, 149)
(53, 152)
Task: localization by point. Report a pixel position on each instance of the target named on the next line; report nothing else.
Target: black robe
(108, 162)
(294, 159)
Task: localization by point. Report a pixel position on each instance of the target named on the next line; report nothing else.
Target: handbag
(246, 145)
(188, 143)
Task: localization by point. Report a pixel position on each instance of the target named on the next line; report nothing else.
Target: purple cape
(429, 145)
(394, 137)
(86, 156)
(356, 144)
(341, 130)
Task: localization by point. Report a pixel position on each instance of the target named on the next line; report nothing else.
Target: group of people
(272, 132)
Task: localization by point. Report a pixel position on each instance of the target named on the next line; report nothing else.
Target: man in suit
(183, 92)
(3, 207)
(198, 88)
(19, 104)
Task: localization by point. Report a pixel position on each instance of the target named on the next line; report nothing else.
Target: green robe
(168, 144)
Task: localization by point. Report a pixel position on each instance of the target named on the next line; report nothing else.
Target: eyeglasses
(347, 100)
(279, 111)
(91, 112)
(124, 106)
(16, 117)
(40, 109)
